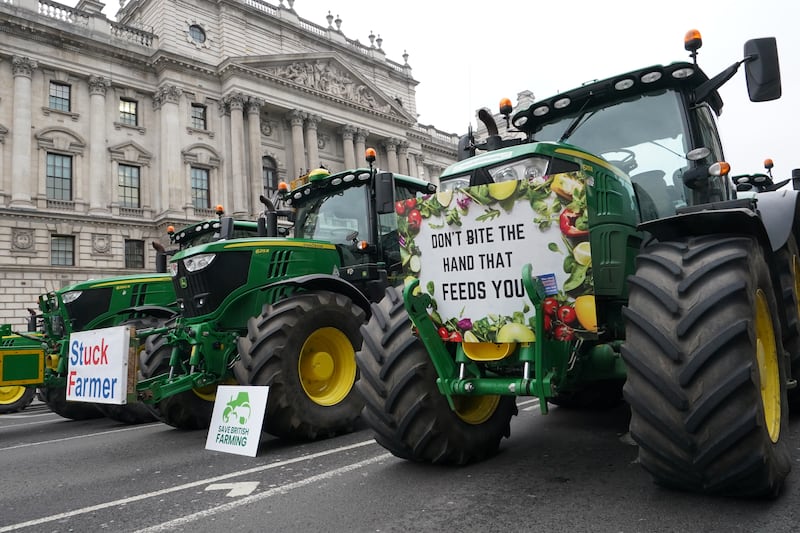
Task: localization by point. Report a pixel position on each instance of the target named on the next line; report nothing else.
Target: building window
(128, 112)
(269, 176)
(59, 177)
(134, 253)
(199, 116)
(200, 196)
(197, 33)
(129, 192)
(62, 250)
(60, 96)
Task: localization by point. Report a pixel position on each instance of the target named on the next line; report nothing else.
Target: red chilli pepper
(566, 222)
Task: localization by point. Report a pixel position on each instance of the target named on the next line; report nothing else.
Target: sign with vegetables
(468, 246)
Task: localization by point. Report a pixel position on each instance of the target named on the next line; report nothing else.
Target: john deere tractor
(600, 255)
(280, 311)
(38, 358)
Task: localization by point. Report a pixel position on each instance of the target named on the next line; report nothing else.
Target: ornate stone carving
(98, 85)
(328, 78)
(22, 239)
(101, 243)
(295, 117)
(167, 93)
(266, 128)
(23, 66)
(253, 105)
(347, 131)
(361, 135)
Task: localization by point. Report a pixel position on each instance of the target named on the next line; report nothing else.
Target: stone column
(101, 183)
(311, 141)
(402, 154)
(421, 167)
(173, 190)
(412, 165)
(360, 146)
(21, 179)
(225, 188)
(253, 106)
(347, 132)
(238, 158)
(391, 154)
(295, 118)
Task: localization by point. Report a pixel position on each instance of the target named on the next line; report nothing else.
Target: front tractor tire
(303, 348)
(189, 410)
(706, 372)
(135, 412)
(404, 407)
(15, 398)
(56, 400)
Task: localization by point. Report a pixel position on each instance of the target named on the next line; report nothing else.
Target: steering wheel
(628, 161)
(343, 234)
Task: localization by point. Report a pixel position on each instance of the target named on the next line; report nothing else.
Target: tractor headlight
(198, 262)
(70, 296)
(173, 269)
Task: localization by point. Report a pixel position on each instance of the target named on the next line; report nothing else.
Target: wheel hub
(11, 394)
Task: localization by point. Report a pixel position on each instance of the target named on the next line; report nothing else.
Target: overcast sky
(467, 55)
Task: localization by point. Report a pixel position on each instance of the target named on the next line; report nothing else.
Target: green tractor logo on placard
(237, 410)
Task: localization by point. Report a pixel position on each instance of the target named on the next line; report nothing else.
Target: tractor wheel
(597, 396)
(404, 407)
(15, 398)
(304, 347)
(132, 413)
(56, 400)
(706, 381)
(789, 268)
(187, 410)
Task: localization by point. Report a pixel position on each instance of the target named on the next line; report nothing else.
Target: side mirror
(762, 69)
(225, 228)
(384, 193)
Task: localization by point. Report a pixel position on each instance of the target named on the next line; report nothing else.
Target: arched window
(269, 176)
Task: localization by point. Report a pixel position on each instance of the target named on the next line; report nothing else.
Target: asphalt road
(567, 471)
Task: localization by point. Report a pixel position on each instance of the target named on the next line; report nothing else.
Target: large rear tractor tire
(706, 372)
(132, 413)
(15, 398)
(788, 260)
(189, 410)
(56, 400)
(304, 347)
(404, 407)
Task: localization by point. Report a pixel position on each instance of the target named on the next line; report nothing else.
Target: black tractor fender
(770, 220)
(326, 282)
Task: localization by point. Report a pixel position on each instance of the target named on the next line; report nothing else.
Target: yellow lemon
(444, 198)
(502, 190)
(586, 311)
(583, 253)
(513, 332)
(470, 337)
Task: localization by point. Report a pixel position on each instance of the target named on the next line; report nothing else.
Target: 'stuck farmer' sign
(468, 246)
(97, 366)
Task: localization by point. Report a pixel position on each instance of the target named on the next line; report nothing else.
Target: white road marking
(241, 488)
(144, 496)
(530, 404)
(277, 491)
(86, 436)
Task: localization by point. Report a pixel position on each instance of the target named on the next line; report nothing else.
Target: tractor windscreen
(646, 137)
(339, 218)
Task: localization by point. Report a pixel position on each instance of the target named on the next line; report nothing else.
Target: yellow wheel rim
(209, 393)
(11, 394)
(768, 369)
(475, 409)
(327, 366)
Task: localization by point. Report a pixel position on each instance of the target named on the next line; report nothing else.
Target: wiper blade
(579, 120)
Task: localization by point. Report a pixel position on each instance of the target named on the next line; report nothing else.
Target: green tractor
(38, 358)
(601, 255)
(282, 311)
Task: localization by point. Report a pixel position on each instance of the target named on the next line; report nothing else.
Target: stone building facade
(112, 130)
